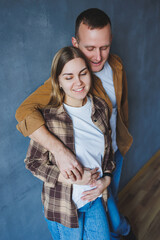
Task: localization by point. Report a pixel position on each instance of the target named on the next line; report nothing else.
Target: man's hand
(100, 185)
(68, 164)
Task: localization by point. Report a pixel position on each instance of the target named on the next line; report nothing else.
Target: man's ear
(74, 42)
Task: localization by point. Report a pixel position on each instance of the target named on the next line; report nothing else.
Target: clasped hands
(72, 172)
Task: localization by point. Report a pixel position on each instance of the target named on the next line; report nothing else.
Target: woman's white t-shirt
(89, 144)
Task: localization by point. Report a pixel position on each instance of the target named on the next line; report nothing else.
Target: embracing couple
(78, 125)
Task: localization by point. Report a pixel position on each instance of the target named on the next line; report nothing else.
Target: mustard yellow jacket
(30, 118)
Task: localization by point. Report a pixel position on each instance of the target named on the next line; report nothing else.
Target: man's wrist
(56, 146)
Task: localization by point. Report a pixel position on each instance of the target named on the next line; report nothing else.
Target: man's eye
(104, 48)
(90, 49)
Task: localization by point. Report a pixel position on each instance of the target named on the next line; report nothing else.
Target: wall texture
(30, 33)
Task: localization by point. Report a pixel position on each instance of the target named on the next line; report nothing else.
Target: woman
(75, 210)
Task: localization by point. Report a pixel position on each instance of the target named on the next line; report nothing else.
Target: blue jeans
(93, 224)
(116, 174)
(118, 223)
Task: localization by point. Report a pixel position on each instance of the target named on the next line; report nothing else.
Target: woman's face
(75, 80)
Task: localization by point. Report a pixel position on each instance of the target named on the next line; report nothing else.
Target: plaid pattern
(57, 196)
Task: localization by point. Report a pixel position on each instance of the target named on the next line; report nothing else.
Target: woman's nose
(78, 80)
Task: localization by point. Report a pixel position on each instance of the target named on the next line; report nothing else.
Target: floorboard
(140, 201)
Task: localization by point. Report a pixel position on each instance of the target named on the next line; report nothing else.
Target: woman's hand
(100, 185)
(89, 177)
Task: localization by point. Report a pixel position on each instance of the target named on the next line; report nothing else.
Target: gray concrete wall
(30, 33)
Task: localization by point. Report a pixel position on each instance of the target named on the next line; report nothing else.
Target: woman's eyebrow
(83, 69)
(72, 73)
(67, 74)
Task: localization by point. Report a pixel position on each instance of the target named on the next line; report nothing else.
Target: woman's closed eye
(68, 78)
(83, 73)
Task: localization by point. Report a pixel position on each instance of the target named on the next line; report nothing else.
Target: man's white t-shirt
(106, 76)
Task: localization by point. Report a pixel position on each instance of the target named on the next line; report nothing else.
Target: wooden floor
(140, 201)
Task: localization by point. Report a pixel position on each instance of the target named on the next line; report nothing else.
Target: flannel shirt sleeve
(40, 162)
(109, 155)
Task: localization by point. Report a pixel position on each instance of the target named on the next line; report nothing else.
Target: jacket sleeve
(124, 100)
(28, 115)
(40, 162)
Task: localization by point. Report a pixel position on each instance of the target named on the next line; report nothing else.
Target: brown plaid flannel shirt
(57, 196)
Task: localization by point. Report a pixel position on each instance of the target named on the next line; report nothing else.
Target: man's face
(95, 44)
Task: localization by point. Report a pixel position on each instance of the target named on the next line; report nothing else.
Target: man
(93, 36)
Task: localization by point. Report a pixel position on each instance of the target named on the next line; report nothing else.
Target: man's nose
(98, 55)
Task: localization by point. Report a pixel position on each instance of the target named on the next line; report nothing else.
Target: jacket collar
(115, 62)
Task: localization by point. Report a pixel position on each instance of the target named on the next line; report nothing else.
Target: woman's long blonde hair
(63, 56)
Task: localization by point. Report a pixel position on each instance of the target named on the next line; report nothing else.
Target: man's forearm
(65, 159)
(47, 140)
